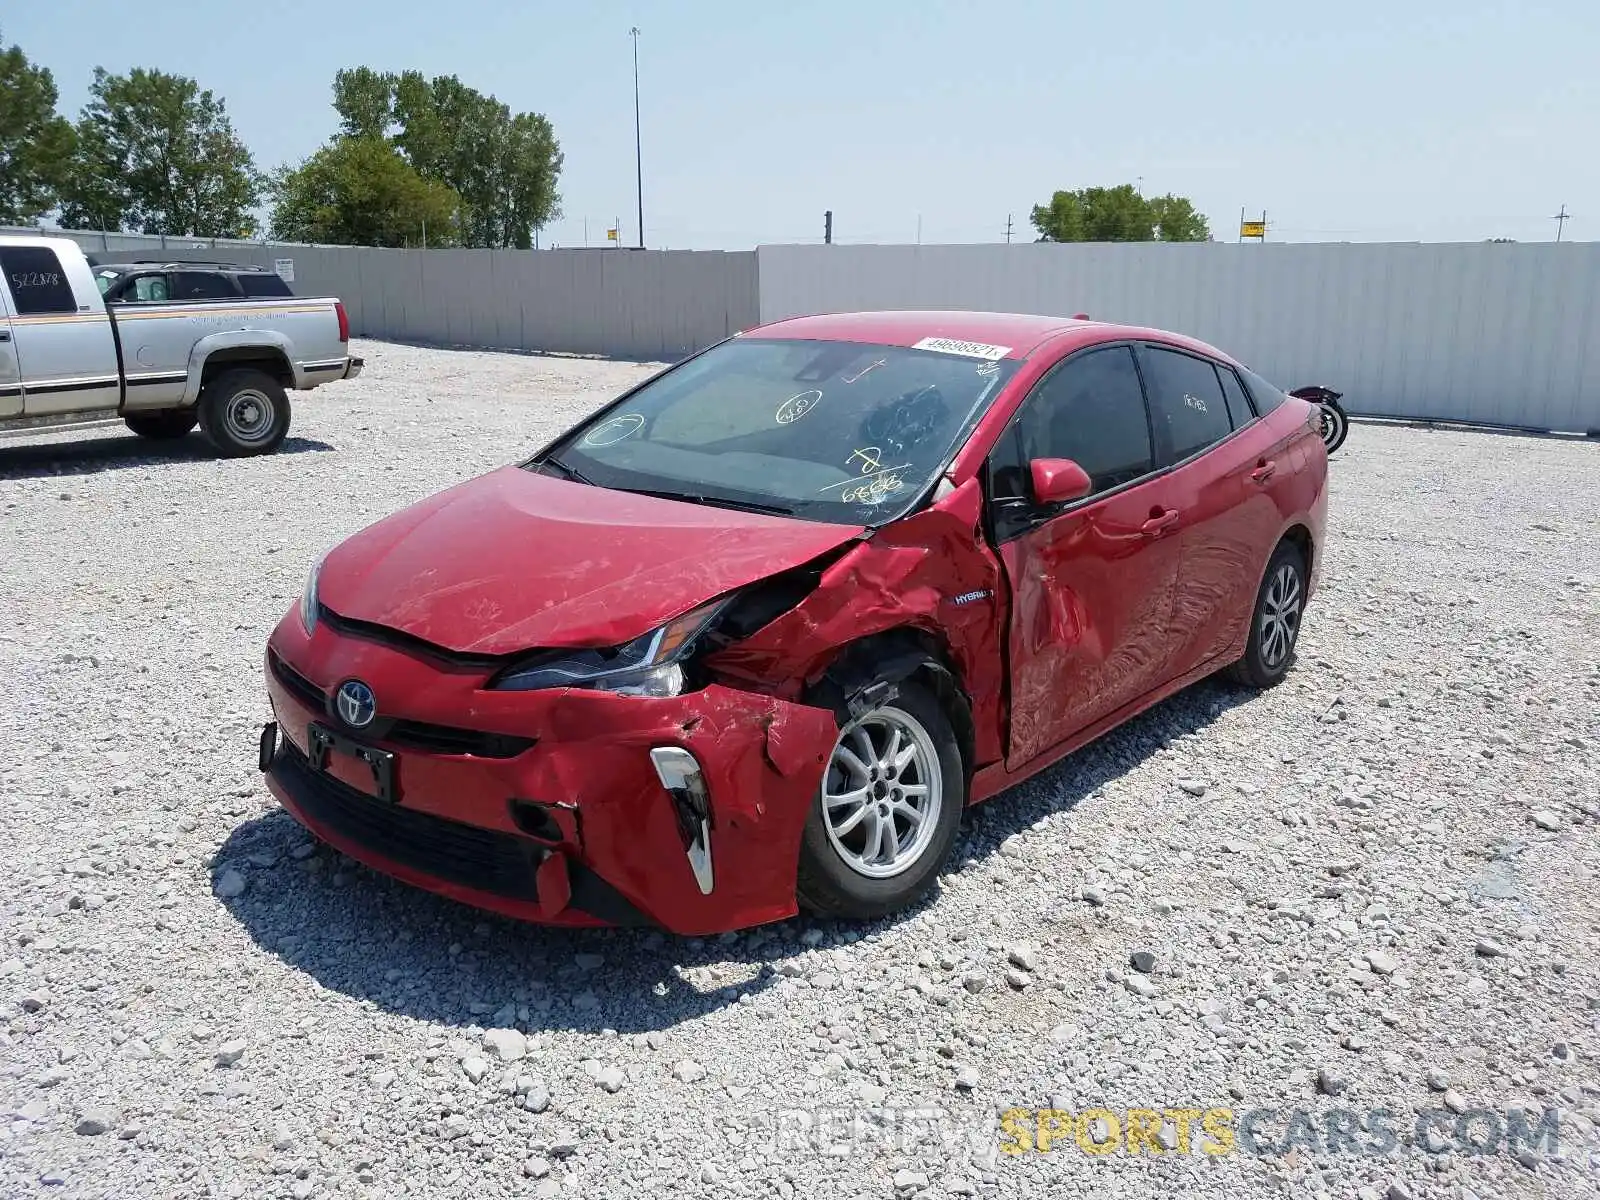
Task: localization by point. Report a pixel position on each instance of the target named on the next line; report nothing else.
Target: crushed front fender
(932, 572)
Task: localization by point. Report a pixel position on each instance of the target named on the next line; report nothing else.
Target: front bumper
(577, 828)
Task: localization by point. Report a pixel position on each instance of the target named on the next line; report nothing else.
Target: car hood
(515, 561)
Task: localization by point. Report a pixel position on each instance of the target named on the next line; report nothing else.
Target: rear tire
(244, 412)
(164, 425)
(1275, 625)
(1335, 426)
(899, 758)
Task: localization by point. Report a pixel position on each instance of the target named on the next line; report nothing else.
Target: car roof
(1019, 333)
(170, 264)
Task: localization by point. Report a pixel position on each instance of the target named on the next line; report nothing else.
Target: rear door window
(38, 284)
(1187, 407)
(202, 285)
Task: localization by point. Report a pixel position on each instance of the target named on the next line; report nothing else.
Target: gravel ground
(1374, 888)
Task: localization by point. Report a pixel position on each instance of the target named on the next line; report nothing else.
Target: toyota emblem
(356, 703)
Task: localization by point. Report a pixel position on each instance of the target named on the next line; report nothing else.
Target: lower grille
(443, 739)
(489, 861)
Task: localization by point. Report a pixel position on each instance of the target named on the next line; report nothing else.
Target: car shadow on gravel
(406, 951)
(93, 455)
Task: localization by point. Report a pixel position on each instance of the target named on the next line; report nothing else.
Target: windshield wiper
(576, 476)
(755, 506)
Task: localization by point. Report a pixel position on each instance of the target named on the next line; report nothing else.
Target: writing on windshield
(832, 431)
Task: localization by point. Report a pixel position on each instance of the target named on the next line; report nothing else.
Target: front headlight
(651, 665)
(308, 599)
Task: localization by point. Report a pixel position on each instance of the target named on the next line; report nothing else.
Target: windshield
(846, 432)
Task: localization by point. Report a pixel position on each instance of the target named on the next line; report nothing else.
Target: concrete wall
(1495, 333)
(650, 304)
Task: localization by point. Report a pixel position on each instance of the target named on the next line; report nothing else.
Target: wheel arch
(1299, 536)
(261, 350)
(889, 657)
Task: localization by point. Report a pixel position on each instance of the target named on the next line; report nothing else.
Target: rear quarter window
(1267, 396)
(264, 285)
(1239, 407)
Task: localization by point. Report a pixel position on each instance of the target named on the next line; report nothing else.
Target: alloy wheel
(1280, 616)
(882, 793)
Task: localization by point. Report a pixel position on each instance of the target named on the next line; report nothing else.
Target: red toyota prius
(750, 638)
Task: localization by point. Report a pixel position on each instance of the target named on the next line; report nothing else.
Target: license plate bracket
(322, 743)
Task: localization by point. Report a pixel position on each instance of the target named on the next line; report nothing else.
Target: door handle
(5, 335)
(1264, 470)
(1159, 522)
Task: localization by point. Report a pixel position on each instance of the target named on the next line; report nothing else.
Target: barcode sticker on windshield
(966, 349)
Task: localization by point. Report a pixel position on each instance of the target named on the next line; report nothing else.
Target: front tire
(1275, 625)
(165, 425)
(244, 412)
(886, 816)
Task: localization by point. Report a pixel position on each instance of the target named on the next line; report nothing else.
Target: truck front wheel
(164, 425)
(244, 412)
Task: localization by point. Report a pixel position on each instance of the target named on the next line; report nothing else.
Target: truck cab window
(38, 284)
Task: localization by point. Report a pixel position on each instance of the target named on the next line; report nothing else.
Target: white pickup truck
(167, 349)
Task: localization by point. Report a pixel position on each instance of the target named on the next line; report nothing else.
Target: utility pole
(1008, 229)
(1561, 219)
(638, 152)
(919, 229)
(827, 228)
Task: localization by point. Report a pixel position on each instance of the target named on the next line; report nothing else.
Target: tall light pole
(638, 151)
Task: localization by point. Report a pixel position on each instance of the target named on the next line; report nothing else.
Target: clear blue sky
(1437, 120)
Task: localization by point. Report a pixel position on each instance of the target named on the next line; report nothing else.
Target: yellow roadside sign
(1255, 229)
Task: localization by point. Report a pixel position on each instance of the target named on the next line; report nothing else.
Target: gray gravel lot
(1372, 888)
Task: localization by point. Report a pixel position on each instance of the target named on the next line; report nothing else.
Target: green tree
(1177, 221)
(359, 191)
(157, 154)
(1117, 214)
(35, 143)
(503, 166)
(364, 99)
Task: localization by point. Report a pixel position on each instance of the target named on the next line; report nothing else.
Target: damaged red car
(751, 638)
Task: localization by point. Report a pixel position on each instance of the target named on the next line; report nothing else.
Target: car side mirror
(1058, 480)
